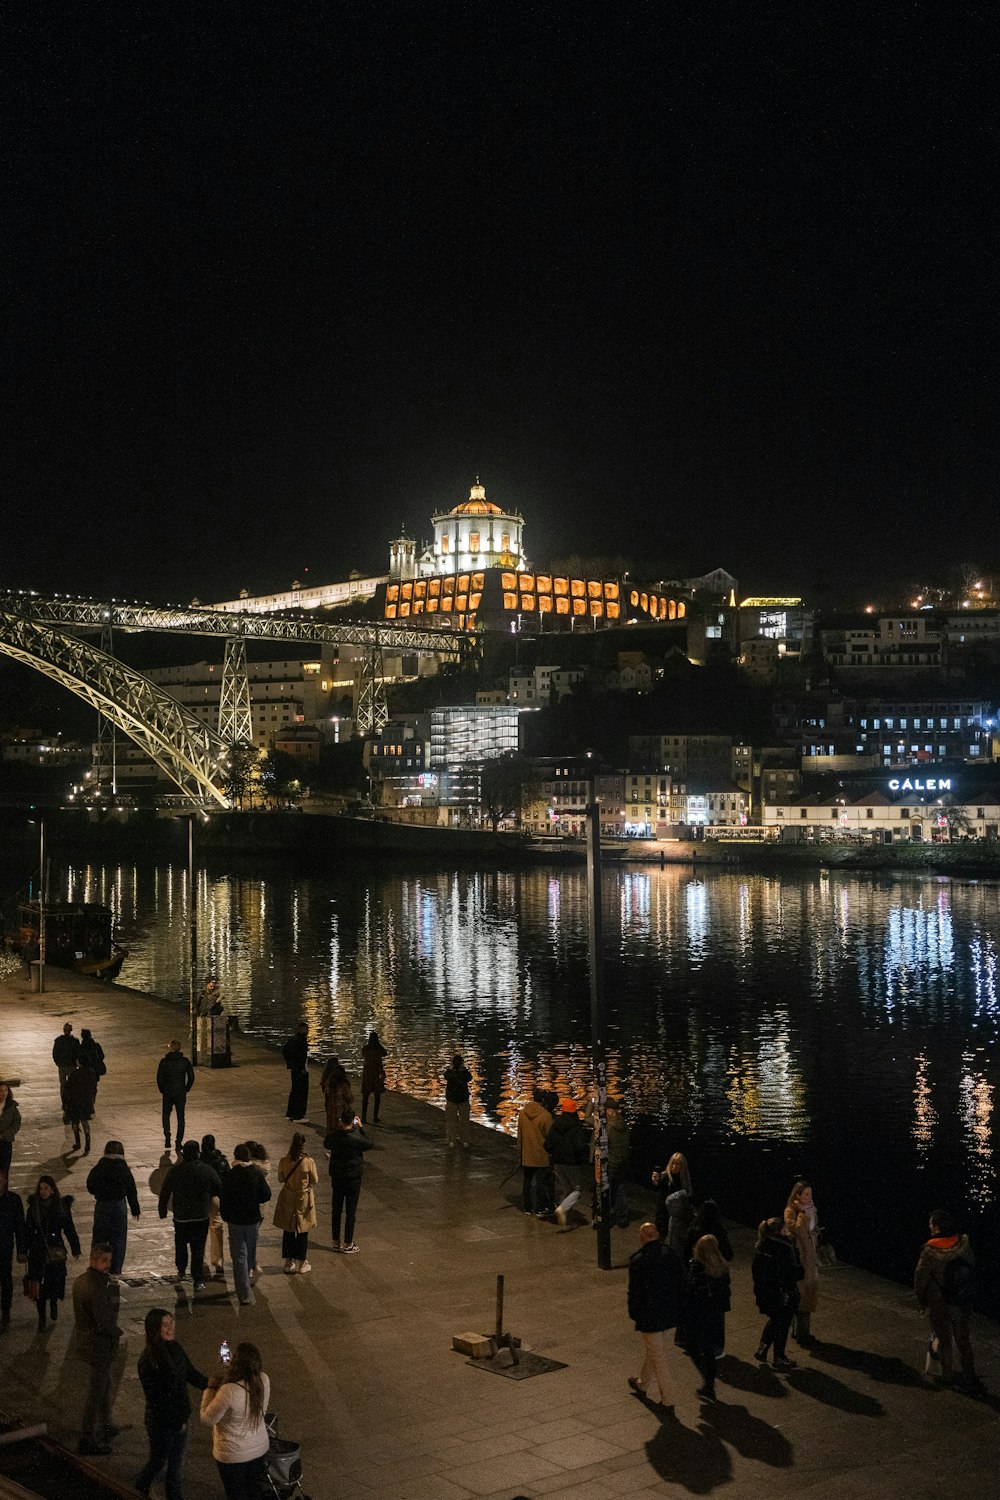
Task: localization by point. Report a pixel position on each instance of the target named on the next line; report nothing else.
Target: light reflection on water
(811, 1013)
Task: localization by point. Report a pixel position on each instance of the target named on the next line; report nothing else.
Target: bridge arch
(184, 748)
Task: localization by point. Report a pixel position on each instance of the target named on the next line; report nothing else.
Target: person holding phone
(347, 1144)
(165, 1372)
(233, 1405)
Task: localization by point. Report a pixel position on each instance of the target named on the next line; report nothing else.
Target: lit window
(444, 542)
(407, 590)
(508, 580)
(510, 601)
(562, 606)
(434, 587)
(544, 584)
(544, 605)
(473, 541)
(593, 589)
(579, 606)
(505, 541)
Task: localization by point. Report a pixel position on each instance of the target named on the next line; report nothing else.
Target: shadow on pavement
(758, 1379)
(823, 1387)
(887, 1368)
(696, 1460)
(749, 1435)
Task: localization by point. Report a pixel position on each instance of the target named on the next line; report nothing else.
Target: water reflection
(832, 1013)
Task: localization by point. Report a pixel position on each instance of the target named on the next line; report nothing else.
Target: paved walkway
(359, 1351)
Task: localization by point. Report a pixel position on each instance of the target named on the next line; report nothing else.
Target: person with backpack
(945, 1284)
(777, 1272)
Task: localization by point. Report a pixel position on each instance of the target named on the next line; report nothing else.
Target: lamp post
(193, 964)
(41, 906)
(598, 1026)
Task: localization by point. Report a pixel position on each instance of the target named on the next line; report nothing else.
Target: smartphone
(224, 1353)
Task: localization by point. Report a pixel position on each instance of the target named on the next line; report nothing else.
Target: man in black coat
(296, 1055)
(655, 1297)
(95, 1312)
(13, 1237)
(191, 1184)
(65, 1051)
(174, 1079)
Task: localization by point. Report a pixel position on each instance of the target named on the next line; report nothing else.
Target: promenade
(359, 1354)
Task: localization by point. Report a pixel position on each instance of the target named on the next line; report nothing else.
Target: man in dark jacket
(347, 1145)
(112, 1185)
(655, 1294)
(296, 1055)
(945, 1284)
(95, 1312)
(457, 1103)
(244, 1189)
(13, 1238)
(174, 1079)
(65, 1050)
(192, 1184)
(567, 1144)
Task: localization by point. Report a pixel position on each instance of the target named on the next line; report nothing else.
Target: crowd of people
(678, 1278)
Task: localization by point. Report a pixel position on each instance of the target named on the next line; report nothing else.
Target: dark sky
(704, 284)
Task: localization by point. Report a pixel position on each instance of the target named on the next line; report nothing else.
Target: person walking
(336, 1090)
(945, 1284)
(244, 1189)
(92, 1053)
(456, 1103)
(111, 1184)
(165, 1372)
(802, 1228)
(706, 1304)
(655, 1293)
(65, 1050)
(776, 1276)
(295, 1210)
(175, 1080)
(190, 1185)
(296, 1055)
(347, 1146)
(95, 1313)
(13, 1241)
(372, 1075)
(217, 1159)
(80, 1097)
(48, 1219)
(533, 1125)
(567, 1144)
(233, 1405)
(10, 1124)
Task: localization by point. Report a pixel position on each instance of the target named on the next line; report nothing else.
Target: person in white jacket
(233, 1405)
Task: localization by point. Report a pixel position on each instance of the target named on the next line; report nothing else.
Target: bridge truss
(44, 633)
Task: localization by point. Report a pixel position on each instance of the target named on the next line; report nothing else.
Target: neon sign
(931, 784)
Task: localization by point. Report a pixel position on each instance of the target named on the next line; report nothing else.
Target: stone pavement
(359, 1351)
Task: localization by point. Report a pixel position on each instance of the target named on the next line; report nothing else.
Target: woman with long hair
(675, 1209)
(165, 1372)
(233, 1406)
(802, 1228)
(10, 1124)
(48, 1218)
(708, 1301)
(295, 1210)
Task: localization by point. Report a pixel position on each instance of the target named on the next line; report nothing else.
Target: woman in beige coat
(802, 1228)
(295, 1210)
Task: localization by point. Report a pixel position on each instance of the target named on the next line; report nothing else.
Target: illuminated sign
(931, 784)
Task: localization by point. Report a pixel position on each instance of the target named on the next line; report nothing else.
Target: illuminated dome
(477, 504)
(476, 534)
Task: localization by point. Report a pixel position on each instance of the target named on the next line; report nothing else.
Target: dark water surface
(834, 1026)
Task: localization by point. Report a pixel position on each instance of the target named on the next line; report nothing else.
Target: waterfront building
(938, 805)
(654, 803)
(850, 734)
(461, 738)
(563, 791)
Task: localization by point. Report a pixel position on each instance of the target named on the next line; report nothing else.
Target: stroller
(282, 1476)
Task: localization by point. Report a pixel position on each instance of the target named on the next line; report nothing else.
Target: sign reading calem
(927, 784)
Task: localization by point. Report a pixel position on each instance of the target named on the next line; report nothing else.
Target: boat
(78, 936)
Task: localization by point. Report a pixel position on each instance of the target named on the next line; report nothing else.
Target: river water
(834, 1026)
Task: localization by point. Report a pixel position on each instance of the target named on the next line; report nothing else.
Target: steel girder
(189, 752)
(235, 717)
(93, 614)
(373, 710)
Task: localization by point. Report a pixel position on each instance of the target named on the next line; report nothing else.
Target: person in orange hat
(567, 1143)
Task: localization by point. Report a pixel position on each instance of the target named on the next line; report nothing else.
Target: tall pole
(41, 906)
(193, 965)
(598, 1029)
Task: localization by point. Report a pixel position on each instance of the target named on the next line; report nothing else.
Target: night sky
(701, 284)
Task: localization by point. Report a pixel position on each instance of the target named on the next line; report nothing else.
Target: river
(834, 1026)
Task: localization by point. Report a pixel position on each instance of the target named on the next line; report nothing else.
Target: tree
(279, 776)
(243, 777)
(506, 784)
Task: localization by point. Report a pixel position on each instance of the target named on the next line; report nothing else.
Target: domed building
(470, 538)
